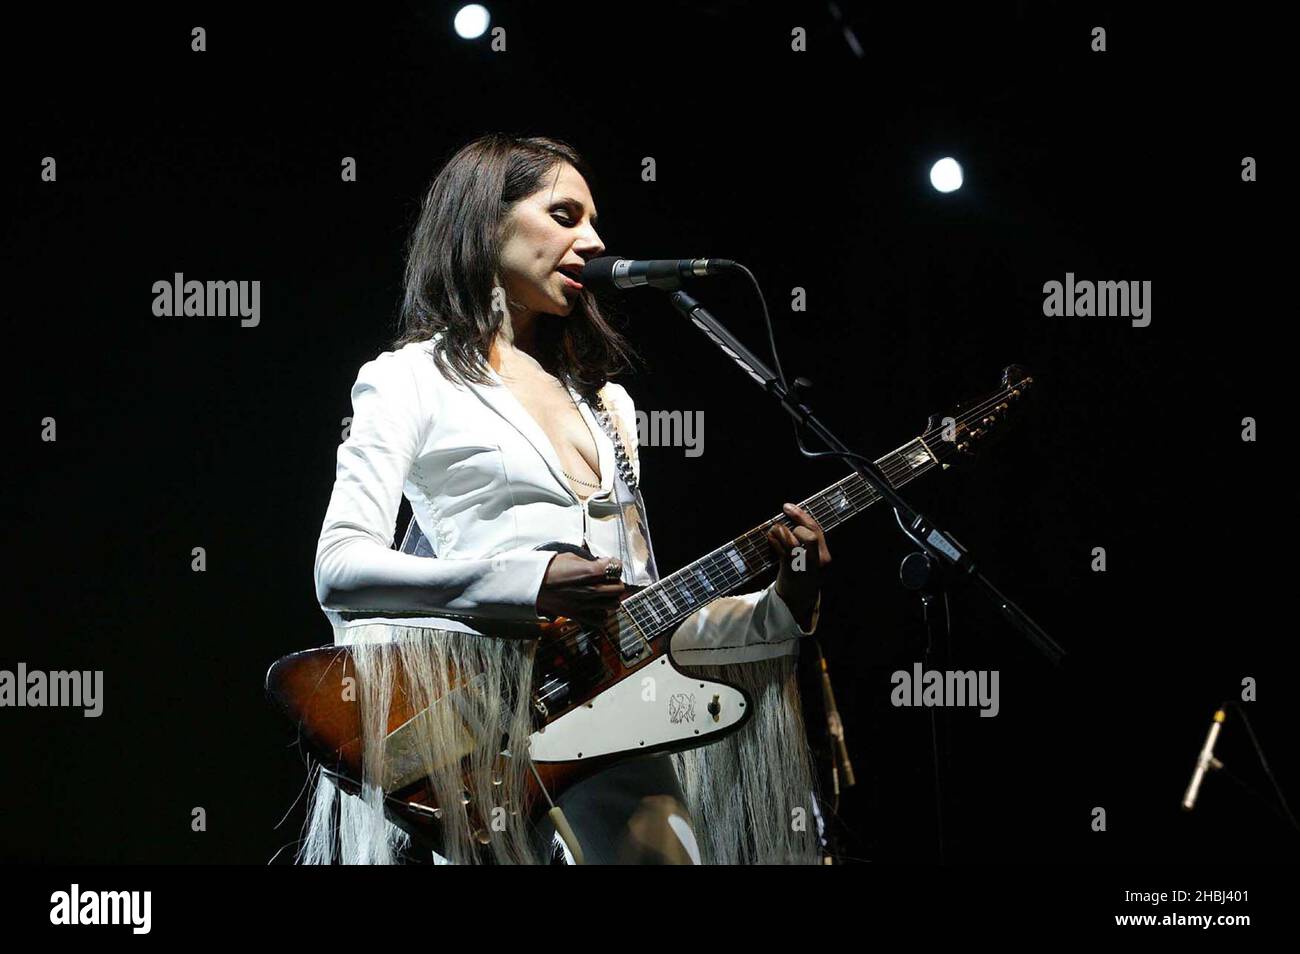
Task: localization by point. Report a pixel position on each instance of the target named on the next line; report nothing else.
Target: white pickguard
(652, 706)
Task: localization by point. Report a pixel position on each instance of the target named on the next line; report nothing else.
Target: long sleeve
(731, 629)
(356, 569)
(741, 628)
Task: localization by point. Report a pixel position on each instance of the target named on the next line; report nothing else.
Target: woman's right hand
(579, 589)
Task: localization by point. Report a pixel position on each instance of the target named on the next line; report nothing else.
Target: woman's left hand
(803, 555)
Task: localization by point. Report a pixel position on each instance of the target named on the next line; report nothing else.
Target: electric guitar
(588, 706)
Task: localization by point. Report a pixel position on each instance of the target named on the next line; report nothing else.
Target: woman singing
(495, 417)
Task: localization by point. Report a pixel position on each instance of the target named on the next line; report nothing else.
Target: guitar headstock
(961, 433)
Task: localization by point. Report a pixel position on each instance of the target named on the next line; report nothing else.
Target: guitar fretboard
(673, 598)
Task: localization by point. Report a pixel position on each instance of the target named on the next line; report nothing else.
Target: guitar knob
(482, 836)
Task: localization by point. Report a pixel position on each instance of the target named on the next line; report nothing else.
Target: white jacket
(486, 488)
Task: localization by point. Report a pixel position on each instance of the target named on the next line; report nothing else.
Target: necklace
(585, 483)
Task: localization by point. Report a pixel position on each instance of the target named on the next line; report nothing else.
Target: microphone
(616, 274)
(1204, 762)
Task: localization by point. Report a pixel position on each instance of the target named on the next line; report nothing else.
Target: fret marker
(737, 561)
(650, 605)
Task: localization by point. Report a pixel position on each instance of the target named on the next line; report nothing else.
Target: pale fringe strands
(742, 792)
(497, 704)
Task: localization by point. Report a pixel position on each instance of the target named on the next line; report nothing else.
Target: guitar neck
(673, 598)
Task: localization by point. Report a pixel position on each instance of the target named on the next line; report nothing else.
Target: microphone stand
(922, 573)
(938, 544)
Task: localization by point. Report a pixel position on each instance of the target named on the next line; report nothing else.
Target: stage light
(472, 21)
(945, 175)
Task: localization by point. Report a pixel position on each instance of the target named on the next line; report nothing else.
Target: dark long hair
(453, 259)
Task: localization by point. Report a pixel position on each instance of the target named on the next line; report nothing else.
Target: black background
(811, 168)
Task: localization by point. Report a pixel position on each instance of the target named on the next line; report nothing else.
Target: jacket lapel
(502, 400)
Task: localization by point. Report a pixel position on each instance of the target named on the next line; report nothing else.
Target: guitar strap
(638, 550)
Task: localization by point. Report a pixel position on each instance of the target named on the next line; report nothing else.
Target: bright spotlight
(472, 21)
(945, 175)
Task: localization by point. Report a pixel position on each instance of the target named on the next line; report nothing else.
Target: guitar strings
(859, 495)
